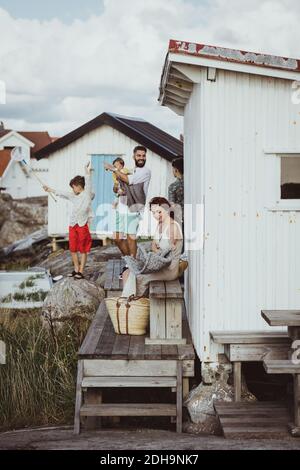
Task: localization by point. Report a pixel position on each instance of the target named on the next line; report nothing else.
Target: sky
(66, 61)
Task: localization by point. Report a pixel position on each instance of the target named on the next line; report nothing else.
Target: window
(282, 190)
(290, 177)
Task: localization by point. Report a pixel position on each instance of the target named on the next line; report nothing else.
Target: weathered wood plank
(107, 339)
(109, 275)
(129, 409)
(136, 348)
(166, 341)
(93, 397)
(169, 352)
(152, 351)
(173, 318)
(281, 317)
(185, 351)
(179, 398)
(165, 290)
(116, 273)
(237, 381)
(256, 352)
(157, 318)
(129, 382)
(90, 342)
(297, 400)
(249, 337)
(78, 400)
(121, 347)
(119, 368)
(281, 367)
(173, 289)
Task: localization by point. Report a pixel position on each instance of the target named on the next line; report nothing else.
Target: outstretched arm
(121, 176)
(63, 194)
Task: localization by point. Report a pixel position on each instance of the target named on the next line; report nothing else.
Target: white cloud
(60, 75)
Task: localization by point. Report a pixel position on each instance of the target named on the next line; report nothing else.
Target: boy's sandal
(72, 274)
(79, 276)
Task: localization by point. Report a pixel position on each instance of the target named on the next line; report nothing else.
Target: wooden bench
(108, 360)
(243, 346)
(288, 367)
(166, 304)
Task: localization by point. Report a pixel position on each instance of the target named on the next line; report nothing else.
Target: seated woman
(168, 235)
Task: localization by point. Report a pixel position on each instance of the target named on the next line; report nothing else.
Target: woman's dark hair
(77, 181)
(178, 164)
(163, 202)
(120, 160)
(139, 147)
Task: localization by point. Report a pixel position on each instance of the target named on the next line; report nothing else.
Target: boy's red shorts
(80, 239)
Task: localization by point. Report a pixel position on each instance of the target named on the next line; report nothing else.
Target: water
(24, 289)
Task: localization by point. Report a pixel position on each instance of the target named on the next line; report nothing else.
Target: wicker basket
(129, 316)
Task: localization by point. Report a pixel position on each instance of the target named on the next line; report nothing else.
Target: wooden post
(179, 398)
(185, 386)
(173, 318)
(54, 244)
(157, 318)
(297, 400)
(78, 401)
(237, 379)
(93, 397)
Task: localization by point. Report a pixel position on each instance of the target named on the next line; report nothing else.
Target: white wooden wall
(251, 258)
(70, 161)
(19, 185)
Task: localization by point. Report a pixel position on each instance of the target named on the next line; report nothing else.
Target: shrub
(37, 384)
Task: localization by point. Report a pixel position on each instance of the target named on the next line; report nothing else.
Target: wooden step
(250, 337)
(253, 420)
(103, 382)
(238, 432)
(281, 367)
(129, 409)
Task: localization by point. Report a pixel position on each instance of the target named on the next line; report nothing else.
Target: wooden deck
(108, 360)
(101, 342)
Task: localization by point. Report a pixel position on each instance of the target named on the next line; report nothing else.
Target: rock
(21, 217)
(72, 298)
(200, 400)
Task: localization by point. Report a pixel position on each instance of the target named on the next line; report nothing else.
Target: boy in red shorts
(79, 233)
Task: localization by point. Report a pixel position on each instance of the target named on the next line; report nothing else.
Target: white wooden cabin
(18, 179)
(103, 139)
(242, 168)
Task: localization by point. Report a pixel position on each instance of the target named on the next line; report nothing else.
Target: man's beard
(140, 163)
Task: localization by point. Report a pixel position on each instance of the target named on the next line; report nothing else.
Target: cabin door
(104, 196)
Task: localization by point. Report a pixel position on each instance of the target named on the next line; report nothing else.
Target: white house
(103, 139)
(242, 167)
(16, 178)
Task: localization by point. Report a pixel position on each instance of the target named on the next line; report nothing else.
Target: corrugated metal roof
(234, 55)
(138, 129)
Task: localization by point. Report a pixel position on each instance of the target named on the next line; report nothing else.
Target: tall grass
(37, 383)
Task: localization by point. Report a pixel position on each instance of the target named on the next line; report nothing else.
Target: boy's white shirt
(82, 210)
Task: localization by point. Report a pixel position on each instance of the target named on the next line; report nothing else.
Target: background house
(242, 165)
(15, 177)
(103, 139)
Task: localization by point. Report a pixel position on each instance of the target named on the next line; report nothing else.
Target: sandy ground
(62, 438)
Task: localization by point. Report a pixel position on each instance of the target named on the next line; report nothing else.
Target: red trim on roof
(234, 55)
